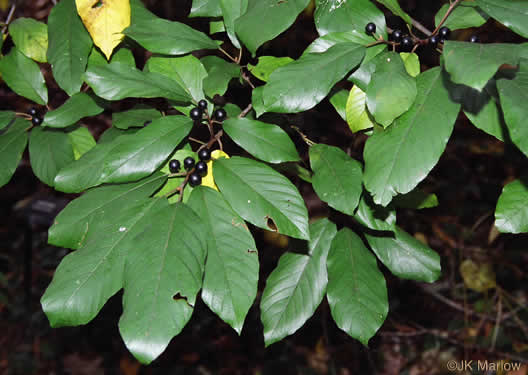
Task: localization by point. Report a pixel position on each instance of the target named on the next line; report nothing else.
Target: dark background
(427, 325)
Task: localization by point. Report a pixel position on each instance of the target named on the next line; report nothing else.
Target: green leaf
(337, 177)
(168, 37)
(267, 65)
(511, 214)
(216, 27)
(257, 101)
(121, 55)
(135, 117)
(205, 8)
(362, 75)
(81, 141)
(162, 277)
(80, 105)
(339, 101)
(219, 74)
(395, 8)
(511, 13)
(231, 11)
(339, 15)
(323, 43)
(474, 64)
(69, 46)
(13, 141)
(391, 91)
(296, 286)
(267, 142)
(174, 182)
(126, 158)
(86, 278)
(272, 18)
(5, 118)
(23, 76)
(464, 16)
(416, 200)
(411, 62)
(79, 218)
(405, 256)
(302, 84)
(395, 162)
(262, 196)
(49, 151)
(357, 115)
(188, 71)
(356, 291)
(232, 268)
(118, 81)
(373, 216)
(31, 38)
(513, 95)
(138, 12)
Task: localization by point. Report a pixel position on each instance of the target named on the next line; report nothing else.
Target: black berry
(202, 104)
(201, 168)
(204, 154)
(444, 33)
(36, 121)
(174, 166)
(220, 114)
(406, 43)
(196, 114)
(195, 179)
(188, 163)
(397, 35)
(370, 28)
(434, 40)
(32, 111)
(474, 39)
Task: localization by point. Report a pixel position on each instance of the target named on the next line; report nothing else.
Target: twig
(8, 19)
(246, 78)
(196, 140)
(452, 6)
(309, 142)
(245, 111)
(228, 55)
(421, 27)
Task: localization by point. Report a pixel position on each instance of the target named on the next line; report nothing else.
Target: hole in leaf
(178, 297)
(98, 4)
(271, 224)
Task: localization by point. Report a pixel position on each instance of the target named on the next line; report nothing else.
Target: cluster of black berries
(440, 37)
(197, 112)
(197, 171)
(36, 120)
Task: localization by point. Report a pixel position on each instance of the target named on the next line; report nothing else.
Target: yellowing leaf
(208, 180)
(105, 20)
(4, 4)
(479, 277)
(356, 111)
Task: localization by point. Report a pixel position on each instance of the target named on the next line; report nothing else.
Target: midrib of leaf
(266, 140)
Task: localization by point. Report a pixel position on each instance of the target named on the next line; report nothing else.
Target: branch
(452, 7)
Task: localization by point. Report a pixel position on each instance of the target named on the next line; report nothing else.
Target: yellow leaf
(4, 4)
(105, 20)
(479, 277)
(208, 180)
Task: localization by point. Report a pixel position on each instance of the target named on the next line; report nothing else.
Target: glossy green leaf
(267, 65)
(262, 196)
(337, 177)
(405, 256)
(5, 118)
(163, 274)
(357, 293)
(464, 16)
(391, 91)
(175, 182)
(81, 141)
(339, 101)
(138, 12)
(216, 27)
(219, 74)
(188, 71)
(126, 158)
(302, 84)
(362, 75)
(474, 64)
(13, 141)
(69, 46)
(272, 18)
(31, 38)
(49, 151)
(416, 200)
(86, 278)
(257, 101)
(338, 15)
(121, 55)
(266, 142)
(395, 162)
(511, 214)
(80, 217)
(135, 117)
(118, 81)
(205, 8)
(374, 216)
(297, 285)
(395, 8)
(513, 97)
(80, 105)
(323, 43)
(232, 268)
(411, 62)
(231, 11)
(511, 13)
(357, 115)
(168, 37)
(23, 76)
